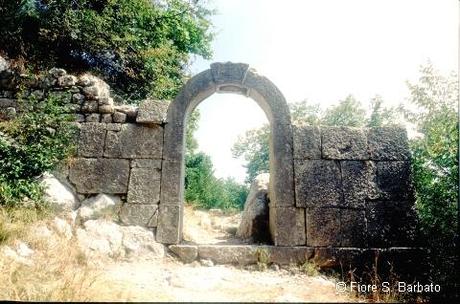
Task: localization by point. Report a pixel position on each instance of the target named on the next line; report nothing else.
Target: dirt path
(170, 280)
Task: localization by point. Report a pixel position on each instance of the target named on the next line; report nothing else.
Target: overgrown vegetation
(435, 168)
(141, 47)
(32, 143)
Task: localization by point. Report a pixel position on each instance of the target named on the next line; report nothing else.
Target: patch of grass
(14, 221)
(310, 269)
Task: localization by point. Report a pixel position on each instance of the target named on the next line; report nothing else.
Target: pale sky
(320, 50)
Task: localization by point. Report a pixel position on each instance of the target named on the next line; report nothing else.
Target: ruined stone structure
(330, 187)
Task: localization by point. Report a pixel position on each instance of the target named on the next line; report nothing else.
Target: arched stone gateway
(228, 78)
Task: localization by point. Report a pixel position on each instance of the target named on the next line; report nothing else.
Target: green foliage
(192, 125)
(349, 112)
(380, 115)
(140, 47)
(254, 149)
(435, 168)
(31, 144)
(204, 190)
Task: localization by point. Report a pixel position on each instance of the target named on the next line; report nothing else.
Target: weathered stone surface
(355, 175)
(142, 215)
(254, 222)
(388, 143)
(323, 226)
(100, 206)
(106, 109)
(119, 117)
(353, 228)
(187, 253)
(228, 72)
(94, 117)
(344, 143)
(134, 141)
(90, 175)
(106, 118)
(7, 102)
(307, 142)
(235, 254)
(56, 72)
(100, 237)
(97, 88)
(318, 183)
(169, 224)
(89, 106)
(287, 226)
(390, 223)
(4, 65)
(58, 194)
(391, 180)
(146, 163)
(152, 111)
(172, 183)
(144, 186)
(129, 110)
(139, 241)
(66, 81)
(91, 140)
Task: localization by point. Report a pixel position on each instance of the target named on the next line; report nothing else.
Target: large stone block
(139, 215)
(323, 227)
(228, 72)
(91, 139)
(318, 183)
(90, 175)
(344, 143)
(388, 143)
(152, 111)
(391, 223)
(355, 175)
(353, 228)
(134, 141)
(390, 180)
(287, 226)
(144, 186)
(307, 142)
(169, 228)
(172, 183)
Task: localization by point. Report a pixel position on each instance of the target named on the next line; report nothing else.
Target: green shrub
(204, 190)
(32, 143)
(140, 47)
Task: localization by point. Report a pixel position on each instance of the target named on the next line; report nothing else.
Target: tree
(381, 116)
(435, 170)
(140, 47)
(349, 112)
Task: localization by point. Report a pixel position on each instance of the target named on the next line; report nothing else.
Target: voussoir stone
(91, 175)
(388, 143)
(135, 141)
(152, 111)
(228, 72)
(344, 143)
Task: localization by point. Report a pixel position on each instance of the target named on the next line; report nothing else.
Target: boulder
(58, 194)
(254, 222)
(102, 205)
(105, 238)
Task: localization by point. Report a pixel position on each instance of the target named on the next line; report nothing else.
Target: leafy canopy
(140, 47)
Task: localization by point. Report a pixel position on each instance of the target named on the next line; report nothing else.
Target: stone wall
(354, 186)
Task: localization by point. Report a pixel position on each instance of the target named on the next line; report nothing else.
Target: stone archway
(228, 78)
